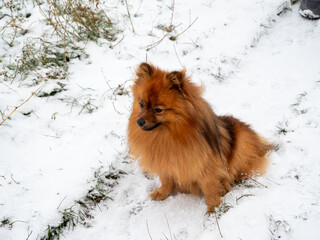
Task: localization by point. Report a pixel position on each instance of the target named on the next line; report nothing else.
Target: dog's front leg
(210, 189)
(162, 192)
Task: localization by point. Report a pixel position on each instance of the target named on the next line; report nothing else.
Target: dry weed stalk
(158, 42)
(169, 29)
(13, 23)
(38, 56)
(42, 58)
(244, 195)
(175, 50)
(171, 21)
(74, 21)
(148, 230)
(116, 44)
(215, 214)
(258, 183)
(175, 37)
(29, 235)
(16, 107)
(168, 227)
(129, 16)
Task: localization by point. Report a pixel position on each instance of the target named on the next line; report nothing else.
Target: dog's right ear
(144, 70)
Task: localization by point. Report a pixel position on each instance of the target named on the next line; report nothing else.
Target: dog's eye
(141, 104)
(157, 110)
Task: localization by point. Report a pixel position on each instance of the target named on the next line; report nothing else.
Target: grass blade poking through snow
(79, 213)
(45, 57)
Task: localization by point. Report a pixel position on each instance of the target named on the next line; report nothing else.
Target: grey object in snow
(310, 9)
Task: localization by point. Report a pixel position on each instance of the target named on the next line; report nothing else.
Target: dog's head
(159, 96)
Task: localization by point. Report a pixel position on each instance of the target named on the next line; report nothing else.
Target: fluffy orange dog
(177, 136)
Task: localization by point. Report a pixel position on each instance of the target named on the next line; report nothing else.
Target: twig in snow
(116, 109)
(158, 42)
(4, 179)
(215, 215)
(61, 202)
(175, 37)
(29, 235)
(168, 29)
(244, 195)
(171, 21)
(273, 181)
(8, 86)
(13, 23)
(16, 107)
(112, 46)
(11, 224)
(148, 229)
(175, 50)
(130, 17)
(110, 88)
(270, 231)
(16, 182)
(168, 227)
(258, 183)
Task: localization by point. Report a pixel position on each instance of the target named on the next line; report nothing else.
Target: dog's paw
(211, 209)
(157, 195)
(212, 203)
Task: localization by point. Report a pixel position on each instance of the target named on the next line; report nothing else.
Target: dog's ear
(144, 70)
(175, 78)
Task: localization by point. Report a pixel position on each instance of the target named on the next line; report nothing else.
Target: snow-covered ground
(257, 59)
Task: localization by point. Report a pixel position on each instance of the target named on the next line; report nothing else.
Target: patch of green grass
(79, 213)
(11, 21)
(278, 228)
(84, 102)
(5, 222)
(222, 209)
(27, 114)
(51, 93)
(282, 131)
(295, 107)
(121, 90)
(70, 25)
(75, 21)
(219, 75)
(282, 128)
(38, 61)
(294, 1)
(69, 220)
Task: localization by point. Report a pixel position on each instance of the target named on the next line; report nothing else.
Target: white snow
(258, 66)
(309, 14)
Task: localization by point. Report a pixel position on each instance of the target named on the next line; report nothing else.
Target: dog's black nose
(141, 122)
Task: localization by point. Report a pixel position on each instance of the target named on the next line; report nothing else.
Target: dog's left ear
(175, 78)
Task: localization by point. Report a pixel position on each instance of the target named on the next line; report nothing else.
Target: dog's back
(248, 151)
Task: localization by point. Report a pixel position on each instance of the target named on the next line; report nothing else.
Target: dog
(178, 137)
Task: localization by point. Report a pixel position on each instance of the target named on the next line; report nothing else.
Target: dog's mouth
(145, 128)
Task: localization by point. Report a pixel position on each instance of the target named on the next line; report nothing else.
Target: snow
(309, 14)
(259, 66)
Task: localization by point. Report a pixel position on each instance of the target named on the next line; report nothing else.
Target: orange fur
(190, 148)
